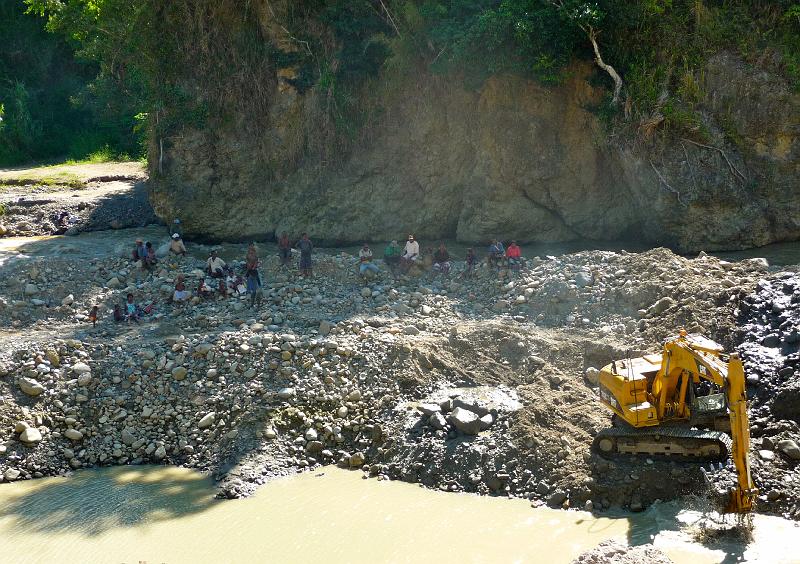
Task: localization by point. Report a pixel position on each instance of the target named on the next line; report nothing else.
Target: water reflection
(91, 503)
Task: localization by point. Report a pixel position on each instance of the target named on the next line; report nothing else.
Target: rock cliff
(511, 159)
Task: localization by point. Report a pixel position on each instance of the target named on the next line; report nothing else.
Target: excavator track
(675, 443)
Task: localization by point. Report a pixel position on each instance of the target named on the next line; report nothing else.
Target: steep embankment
(510, 159)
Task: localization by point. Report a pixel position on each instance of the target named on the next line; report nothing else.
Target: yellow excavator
(681, 403)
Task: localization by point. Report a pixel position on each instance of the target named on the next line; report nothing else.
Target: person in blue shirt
(495, 253)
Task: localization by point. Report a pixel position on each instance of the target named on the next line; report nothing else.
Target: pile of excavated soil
(461, 385)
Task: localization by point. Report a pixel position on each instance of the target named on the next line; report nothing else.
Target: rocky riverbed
(479, 385)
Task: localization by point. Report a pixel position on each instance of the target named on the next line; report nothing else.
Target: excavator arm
(730, 377)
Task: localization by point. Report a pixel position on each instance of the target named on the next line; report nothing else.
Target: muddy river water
(164, 514)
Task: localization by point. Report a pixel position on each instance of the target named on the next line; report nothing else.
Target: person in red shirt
(514, 256)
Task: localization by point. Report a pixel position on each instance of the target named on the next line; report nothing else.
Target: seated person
(410, 253)
(240, 286)
(150, 259)
(215, 266)
(471, 260)
(131, 311)
(181, 294)
(514, 255)
(139, 251)
(203, 291)
(176, 245)
(391, 254)
(495, 253)
(222, 288)
(365, 261)
(441, 259)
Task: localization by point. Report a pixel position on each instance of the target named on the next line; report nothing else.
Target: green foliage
(152, 68)
(49, 109)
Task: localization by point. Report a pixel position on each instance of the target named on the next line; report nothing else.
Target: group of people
(398, 260)
(403, 259)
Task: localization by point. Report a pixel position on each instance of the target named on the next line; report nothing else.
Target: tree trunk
(592, 34)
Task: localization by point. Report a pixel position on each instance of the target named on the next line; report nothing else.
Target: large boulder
(465, 421)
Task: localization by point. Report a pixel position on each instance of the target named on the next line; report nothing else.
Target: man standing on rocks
(252, 277)
(285, 249)
(305, 246)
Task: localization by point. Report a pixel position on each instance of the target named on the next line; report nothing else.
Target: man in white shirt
(215, 265)
(410, 253)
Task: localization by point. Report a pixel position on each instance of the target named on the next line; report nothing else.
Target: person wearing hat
(176, 245)
(365, 261)
(410, 252)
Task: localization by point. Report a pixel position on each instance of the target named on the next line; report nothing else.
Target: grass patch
(65, 179)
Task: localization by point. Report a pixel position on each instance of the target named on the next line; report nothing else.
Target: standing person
(285, 249)
(365, 261)
(471, 260)
(131, 311)
(441, 259)
(410, 253)
(391, 255)
(252, 277)
(305, 246)
(253, 282)
(176, 246)
(215, 266)
(93, 315)
(150, 259)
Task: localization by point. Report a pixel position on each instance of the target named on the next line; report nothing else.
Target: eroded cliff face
(514, 160)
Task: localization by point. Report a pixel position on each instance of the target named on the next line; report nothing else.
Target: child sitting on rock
(131, 310)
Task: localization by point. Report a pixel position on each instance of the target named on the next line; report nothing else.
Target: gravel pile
(458, 384)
